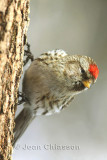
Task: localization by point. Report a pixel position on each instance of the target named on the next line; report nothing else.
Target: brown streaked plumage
(50, 84)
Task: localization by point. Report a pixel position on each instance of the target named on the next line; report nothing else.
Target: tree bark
(13, 27)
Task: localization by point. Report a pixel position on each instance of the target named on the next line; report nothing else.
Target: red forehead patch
(93, 69)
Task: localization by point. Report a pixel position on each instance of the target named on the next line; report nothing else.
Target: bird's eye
(82, 71)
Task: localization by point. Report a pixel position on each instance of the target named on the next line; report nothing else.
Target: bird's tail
(22, 121)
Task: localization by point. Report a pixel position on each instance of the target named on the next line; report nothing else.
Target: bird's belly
(42, 111)
(51, 107)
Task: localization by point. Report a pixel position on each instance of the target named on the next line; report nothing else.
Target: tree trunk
(13, 27)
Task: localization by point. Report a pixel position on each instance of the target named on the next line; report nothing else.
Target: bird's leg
(28, 54)
(21, 98)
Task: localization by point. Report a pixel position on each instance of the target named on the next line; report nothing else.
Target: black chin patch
(79, 87)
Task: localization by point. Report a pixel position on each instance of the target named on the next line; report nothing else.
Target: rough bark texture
(13, 28)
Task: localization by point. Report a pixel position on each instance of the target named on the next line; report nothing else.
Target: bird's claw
(29, 54)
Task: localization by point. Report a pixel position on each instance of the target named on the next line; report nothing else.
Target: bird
(51, 82)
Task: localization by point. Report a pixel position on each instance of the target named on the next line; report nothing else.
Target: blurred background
(78, 27)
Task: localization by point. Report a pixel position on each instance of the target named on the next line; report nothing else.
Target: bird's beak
(87, 83)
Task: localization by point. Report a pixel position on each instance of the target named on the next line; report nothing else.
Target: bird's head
(76, 72)
(83, 72)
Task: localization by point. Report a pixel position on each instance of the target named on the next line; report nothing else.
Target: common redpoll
(50, 84)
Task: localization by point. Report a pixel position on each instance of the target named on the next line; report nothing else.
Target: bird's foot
(28, 54)
(21, 98)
